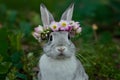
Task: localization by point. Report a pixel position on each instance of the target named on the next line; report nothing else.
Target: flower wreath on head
(49, 25)
(70, 26)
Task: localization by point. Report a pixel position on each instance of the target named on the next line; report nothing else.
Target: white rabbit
(58, 61)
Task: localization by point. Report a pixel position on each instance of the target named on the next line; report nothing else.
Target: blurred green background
(98, 47)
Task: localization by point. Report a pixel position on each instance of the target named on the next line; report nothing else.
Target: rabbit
(58, 61)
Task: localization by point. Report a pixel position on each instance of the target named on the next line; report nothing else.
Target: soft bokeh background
(98, 47)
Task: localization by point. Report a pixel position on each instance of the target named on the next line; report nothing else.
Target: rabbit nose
(61, 49)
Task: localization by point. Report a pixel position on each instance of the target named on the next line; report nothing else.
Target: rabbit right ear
(46, 16)
(67, 15)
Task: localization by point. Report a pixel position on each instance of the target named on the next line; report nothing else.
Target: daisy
(64, 25)
(54, 26)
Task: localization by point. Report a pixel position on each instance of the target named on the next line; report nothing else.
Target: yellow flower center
(64, 24)
(54, 27)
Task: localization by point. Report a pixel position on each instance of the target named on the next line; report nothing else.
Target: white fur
(57, 69)
(52, 65)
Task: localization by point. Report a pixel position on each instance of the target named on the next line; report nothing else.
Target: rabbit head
(59, 44)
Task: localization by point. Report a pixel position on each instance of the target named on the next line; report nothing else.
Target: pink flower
(39, 29)
(36, 36)
(54, 26)
(74, 24)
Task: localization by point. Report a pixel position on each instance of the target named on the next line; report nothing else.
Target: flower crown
(42, 33)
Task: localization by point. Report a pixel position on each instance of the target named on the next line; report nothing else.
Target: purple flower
(69, 28)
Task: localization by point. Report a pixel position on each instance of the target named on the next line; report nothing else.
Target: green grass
(101, 61)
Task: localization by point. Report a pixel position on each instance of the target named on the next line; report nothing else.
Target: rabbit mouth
(61, 56)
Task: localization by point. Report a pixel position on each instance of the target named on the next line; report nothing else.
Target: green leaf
(21, 76)
(16, 57)
(16, 60)
(25, 27)
(3, 43)
(11, 15)
(4, 67)
(2, 76)
(15, 41)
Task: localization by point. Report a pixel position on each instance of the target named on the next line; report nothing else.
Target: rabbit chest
(51, 69)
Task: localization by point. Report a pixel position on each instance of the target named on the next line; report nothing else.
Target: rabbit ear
(67, 15)
(46, 16)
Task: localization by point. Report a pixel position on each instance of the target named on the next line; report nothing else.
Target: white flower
(72, 23)
(39, 29)
(64, 25)
(54, 26)
(76, 26)
(78, 30)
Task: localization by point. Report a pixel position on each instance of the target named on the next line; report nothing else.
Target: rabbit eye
(51, 38)
(69, 36)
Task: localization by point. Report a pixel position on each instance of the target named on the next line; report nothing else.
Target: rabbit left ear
(46, 16)
(67, 15)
